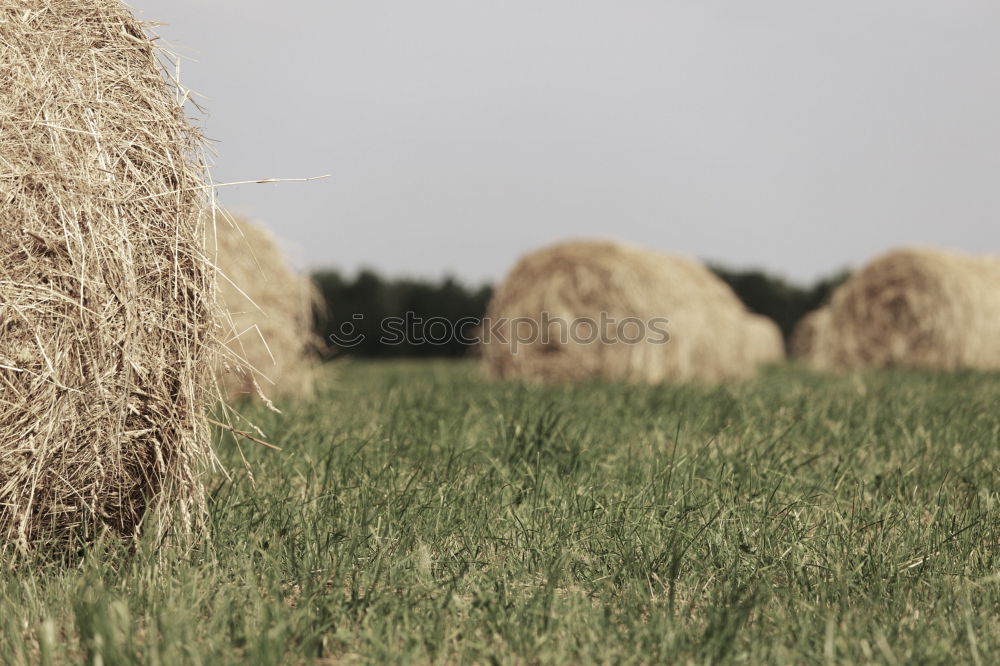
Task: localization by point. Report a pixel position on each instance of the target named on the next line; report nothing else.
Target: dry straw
(914, 307)
(763, 342)
(107, 305)
(273, 345)
(808, 340)
(712, 337)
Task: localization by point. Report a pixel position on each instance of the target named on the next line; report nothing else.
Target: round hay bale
(107, 307)
(273, 346)
(561, 314)
(809, 339)
(914, 307)
(762, 340)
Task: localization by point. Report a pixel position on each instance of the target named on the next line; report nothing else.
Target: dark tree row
(373, 316)
(369, 315)
(775, 297)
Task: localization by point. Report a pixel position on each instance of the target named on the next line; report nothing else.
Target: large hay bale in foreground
(711, 335)
(914, 307)
(106, 298)
(273, 347)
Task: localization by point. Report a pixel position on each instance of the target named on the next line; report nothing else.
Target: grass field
(419, 514)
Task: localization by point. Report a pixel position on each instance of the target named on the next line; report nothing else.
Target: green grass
(419, 514)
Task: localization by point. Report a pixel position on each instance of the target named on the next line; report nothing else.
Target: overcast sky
(794, 135)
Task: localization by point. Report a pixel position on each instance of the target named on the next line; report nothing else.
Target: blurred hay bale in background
(809, 339)
(711, 335)
(913, 307)
(762, 340)
(274, 347)
(107, 307)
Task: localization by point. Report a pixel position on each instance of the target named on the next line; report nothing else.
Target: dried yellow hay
(107, 307)
(762, 340)
(914, 307)
(528, 332)
(809, 339)
(271, 308)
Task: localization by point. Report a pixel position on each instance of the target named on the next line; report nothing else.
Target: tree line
(374, 316)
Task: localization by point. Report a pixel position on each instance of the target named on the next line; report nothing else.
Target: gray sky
(795, 135)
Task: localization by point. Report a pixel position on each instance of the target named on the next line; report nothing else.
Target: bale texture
(914, 307)
(273, 347)
(763, 342)
(107, 308)
(711, 335)
(809, 339)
